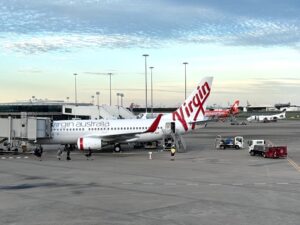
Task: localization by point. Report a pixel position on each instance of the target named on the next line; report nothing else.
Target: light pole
(121, 95)
(98, 93)
(110, 88)
(109, 74)
(185, 63)
(146, 55)
(118, 94)
(75, 75)
(93, 97)
(151, 68)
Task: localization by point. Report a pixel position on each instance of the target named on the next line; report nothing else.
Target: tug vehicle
(266, 149)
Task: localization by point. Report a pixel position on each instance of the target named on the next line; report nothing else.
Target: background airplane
(267, 118)
(94, 134)
(222, 114)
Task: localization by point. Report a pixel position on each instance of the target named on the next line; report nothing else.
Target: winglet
(154, 125)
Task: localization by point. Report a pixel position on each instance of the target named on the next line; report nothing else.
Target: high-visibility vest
(173, 150)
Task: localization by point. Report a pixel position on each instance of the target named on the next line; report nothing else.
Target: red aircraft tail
(235, 108)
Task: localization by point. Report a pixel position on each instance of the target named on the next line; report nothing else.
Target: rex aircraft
(94, 134)
(267, 118)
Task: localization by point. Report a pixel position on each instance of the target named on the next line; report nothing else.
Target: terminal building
(28, 121)
(61, 110)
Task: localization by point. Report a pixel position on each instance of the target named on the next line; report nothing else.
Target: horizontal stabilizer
(154, 125)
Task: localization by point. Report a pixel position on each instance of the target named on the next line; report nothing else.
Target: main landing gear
(117, 148)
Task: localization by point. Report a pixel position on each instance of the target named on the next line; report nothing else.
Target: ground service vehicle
(229, 142)
(266, 149)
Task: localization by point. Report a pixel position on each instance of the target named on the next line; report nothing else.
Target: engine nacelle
(84, 143)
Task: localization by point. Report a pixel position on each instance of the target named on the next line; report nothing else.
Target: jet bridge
(25, 128)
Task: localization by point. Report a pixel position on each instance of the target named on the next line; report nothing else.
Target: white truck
(266, 149)
(252, 145)
(229, 142)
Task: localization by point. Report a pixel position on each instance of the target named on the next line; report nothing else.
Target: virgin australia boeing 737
(93, 134)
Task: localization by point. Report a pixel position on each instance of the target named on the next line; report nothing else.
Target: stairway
(171, 138)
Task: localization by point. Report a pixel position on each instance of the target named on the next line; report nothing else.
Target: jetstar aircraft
(94, 134)
(267, 118)
(222, 114)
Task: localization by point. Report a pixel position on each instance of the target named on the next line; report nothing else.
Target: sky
(250, 47)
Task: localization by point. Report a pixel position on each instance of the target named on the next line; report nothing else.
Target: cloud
(66, 42)
(127, 23)
(30, 71)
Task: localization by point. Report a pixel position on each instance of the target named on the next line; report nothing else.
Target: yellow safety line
(295, 165)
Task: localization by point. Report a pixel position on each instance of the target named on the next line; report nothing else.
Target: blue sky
(251, 47)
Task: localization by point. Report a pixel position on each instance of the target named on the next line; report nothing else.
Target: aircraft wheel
(117, 148)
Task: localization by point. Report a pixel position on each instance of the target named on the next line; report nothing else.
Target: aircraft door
(173, 127)
(170, 127)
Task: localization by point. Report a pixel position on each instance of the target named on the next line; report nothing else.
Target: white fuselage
(121, 131)
(91, 133)
(265, 118)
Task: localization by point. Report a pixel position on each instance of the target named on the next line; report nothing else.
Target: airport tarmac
(202, 186)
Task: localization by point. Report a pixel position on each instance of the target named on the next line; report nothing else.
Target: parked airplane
(93, 134)
(267, 118)
(222, 114)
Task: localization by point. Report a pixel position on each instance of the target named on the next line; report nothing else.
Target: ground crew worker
(173, 151)
(68, 154)
(89, 154)
(38, 152)
(59, 153)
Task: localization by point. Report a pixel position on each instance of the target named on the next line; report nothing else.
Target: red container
(276, 152)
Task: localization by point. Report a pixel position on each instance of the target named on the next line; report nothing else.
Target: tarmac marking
(19, 157)
(260, 183)
(238, 184)
(148, 183)
(192, 184)
(170, 184)
(127, 183)
(212, 184)
(295, 165)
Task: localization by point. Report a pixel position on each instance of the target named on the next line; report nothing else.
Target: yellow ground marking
(295, 165)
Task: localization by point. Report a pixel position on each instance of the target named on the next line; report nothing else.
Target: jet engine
(85, 143)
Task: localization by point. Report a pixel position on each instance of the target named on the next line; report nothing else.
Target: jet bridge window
(68, 110)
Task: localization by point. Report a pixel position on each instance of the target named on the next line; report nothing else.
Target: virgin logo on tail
(190, 110)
